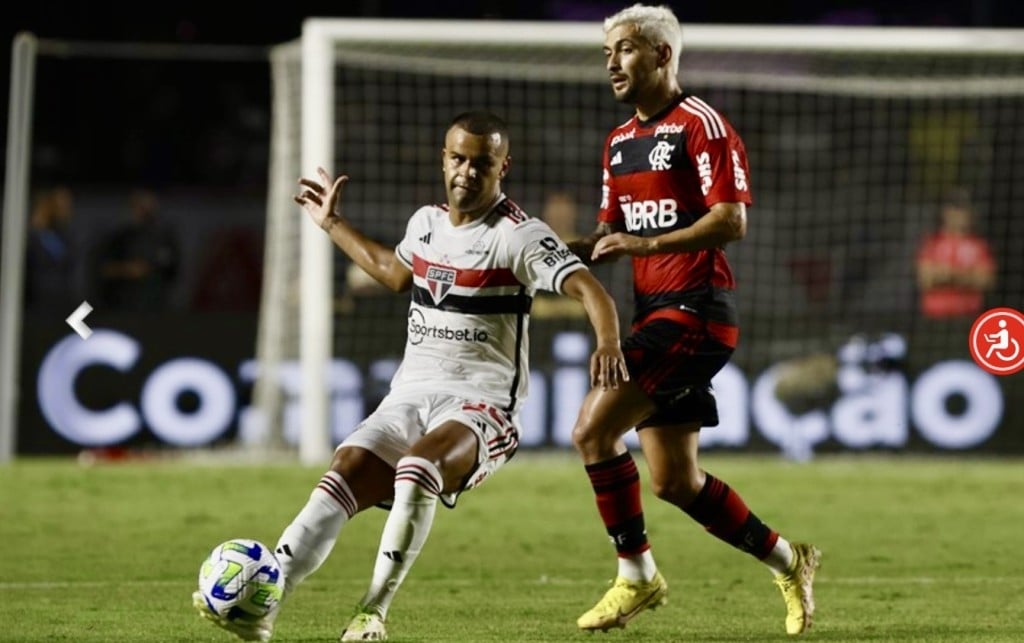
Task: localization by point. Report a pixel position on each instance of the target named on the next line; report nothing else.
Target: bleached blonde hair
(658, 25)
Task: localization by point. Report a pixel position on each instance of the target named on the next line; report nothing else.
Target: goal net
(853, 135)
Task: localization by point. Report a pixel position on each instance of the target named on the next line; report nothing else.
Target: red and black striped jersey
(662, 175)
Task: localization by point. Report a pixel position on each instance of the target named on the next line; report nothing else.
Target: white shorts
(402, 419)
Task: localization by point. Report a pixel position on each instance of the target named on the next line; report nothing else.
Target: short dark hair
(481, 123)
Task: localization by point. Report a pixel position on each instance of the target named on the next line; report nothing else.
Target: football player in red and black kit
(675, 191)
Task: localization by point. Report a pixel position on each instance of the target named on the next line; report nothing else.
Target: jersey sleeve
(415, 229)
(722, 161)
(540, 259)
(610, 212)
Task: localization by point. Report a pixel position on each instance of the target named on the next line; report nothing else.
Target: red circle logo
(997, 341)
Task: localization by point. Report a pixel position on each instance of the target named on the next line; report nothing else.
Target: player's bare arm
(321, 198)
(584, 246)
(723, 223)
(607, 364)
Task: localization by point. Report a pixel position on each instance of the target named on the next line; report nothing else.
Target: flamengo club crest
(661, 156)
(440, 281)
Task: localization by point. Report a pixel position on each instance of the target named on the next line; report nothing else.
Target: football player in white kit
(450, 419)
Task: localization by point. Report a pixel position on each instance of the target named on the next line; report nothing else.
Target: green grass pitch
(915, 549)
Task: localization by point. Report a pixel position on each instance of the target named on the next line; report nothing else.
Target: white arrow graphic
(75, 320)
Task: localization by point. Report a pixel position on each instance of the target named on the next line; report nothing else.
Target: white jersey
(472, 289)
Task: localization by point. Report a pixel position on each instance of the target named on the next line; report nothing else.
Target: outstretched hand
(608, 367)
(320, 198)
(617, 244)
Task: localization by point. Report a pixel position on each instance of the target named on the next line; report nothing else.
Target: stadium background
(198, 135)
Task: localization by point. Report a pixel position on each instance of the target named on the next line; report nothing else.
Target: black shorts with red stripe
(672, 355)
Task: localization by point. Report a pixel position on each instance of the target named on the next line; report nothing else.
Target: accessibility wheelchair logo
(997, 341)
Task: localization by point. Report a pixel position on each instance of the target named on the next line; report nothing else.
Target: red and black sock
(724, 514)
(616, 484)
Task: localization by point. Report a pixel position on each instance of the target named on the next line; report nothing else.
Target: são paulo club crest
(440, 281)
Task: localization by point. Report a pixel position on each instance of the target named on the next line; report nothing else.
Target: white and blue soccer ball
(241, 580)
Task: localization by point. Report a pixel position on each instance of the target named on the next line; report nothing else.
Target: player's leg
(361, 475)
(676, 477)
(466, 444)
(356, 479)
(655, 347)
(438, 463)
(604, 417)
(669, 439)
(678, 380)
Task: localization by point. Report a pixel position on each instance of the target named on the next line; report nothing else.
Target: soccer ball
(241, 580)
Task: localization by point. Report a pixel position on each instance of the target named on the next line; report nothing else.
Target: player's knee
(427, 475)
(587, 438)
(579, 437)
(342, 460)
(675, 487)
(453, 468)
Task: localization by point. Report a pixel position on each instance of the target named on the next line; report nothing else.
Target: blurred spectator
(49, 256)
(955, 267)
(360, 287)
(139, 261)
(230, 271)
(562, 214)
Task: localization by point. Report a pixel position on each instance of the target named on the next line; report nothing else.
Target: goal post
(852, 134)
(32, 61)
(315, 319)
(16, 182)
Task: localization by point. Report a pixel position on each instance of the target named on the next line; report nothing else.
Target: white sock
(417, 486)
(307, 541)
(638, 568)
(780, 559)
